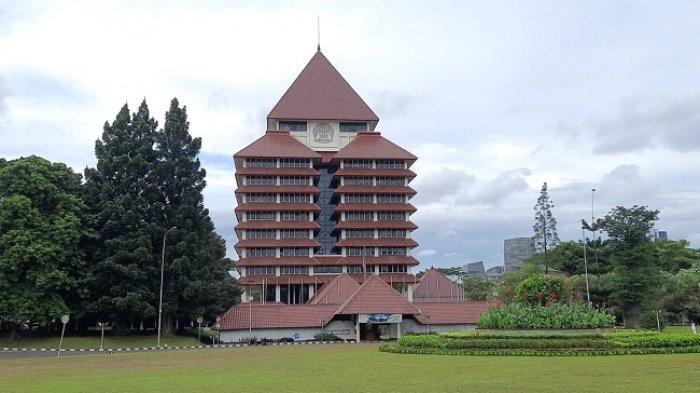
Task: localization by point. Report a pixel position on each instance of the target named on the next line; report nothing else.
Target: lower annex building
(324, 226)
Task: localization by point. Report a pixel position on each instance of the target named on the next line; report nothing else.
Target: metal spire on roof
(318, 33)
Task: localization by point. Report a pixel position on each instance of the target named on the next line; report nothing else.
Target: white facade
(342, 329)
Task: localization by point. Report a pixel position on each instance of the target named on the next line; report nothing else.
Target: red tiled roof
(465, 312)
(434, 286)
(335, 291)
(328, 260)
(372, 145)
(375, 190)
(321, 93)
(392, 242)
(376, 296)
(277, 171)
(374, 172)
(375, 207)
(278, 243)
(278, 189)
(304, 224)
(326, 156)
(276, 207)
(275, 315)
(393, 224)
(277, 144)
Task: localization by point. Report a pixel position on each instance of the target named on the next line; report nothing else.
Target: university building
(324, 225)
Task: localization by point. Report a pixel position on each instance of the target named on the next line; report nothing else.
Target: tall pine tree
(545, 226)
(121, 191)
(196, 274)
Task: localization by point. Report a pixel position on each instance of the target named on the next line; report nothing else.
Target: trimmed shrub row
(504, 343)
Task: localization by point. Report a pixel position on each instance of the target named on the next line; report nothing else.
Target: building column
(277, 293)
(398, 330)
(357, 328)
(311, 291)
(244, 295)
(410, 292)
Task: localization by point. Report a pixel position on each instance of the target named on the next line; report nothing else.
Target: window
(294, 270)
(295, 216)
(393, 269)
(261, 216)
(353, 126)
(261, 198)
(359, 216)
(327, 269)
(292, 126)
(357, 181)
(294, 180)
(260, 270)
(355, 198)
(294, 234)
(392, 164)
(256, 252)
(295, 251)
(261, 162)
(391, 198)
(391, 181)
(354, 269)
(357, 163)
(392, 233)
(261, 180)
(295, 198)
(294, 163)
(392, 250)
(359, 233)
(260, 234)
(389, 216)
(359, 251)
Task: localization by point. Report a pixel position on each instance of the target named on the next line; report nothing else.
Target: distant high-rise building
(474, 268)
(495, 273)
(515, 250)
(663, 235)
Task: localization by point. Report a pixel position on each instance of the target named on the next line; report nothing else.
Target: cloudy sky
(494, 97)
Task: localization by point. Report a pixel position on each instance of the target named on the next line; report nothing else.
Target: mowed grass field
(94, 341)
(346, 368)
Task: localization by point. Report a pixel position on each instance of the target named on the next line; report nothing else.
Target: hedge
(525, 352)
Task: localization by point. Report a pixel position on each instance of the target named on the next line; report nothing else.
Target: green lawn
(345, 368)
(94, 342)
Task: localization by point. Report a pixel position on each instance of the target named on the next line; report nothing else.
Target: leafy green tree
(633, 257)
(477, 287)
(545, 226)
(541, 289)
(121, 190)
(42, 222)
(197, 279)
(566, 257)
(676, 255)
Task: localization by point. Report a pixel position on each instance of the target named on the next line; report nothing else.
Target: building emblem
(323, 133)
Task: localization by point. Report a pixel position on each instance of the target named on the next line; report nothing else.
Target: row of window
(369, 198)
(271, 252)
(321, 269)
(368, 181)
(255, 197)
(272, 234)
(272, 180)
(301, 126)
(369, 233)
(272, 216)
(272, 163)
(369, 216)
(383, 164)
(369, 251)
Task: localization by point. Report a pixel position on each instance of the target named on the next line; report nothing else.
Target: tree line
(91, 246)
(630, 274)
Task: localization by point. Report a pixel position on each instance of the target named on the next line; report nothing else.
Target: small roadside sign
(200, 320)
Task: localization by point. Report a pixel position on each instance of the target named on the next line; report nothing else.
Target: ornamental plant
(541, 289)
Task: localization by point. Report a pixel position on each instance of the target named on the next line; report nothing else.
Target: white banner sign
(380, 318)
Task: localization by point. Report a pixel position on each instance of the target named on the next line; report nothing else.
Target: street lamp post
(585, 265)
(162, 269)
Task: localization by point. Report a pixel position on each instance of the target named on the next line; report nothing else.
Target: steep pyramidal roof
(321, 93)
(372, 145)
(376, 296)
(336, 291)
(277, 144)
(434, 286)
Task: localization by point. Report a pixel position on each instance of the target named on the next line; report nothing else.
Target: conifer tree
(120, 192)
(197, 279)
(545, 226)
